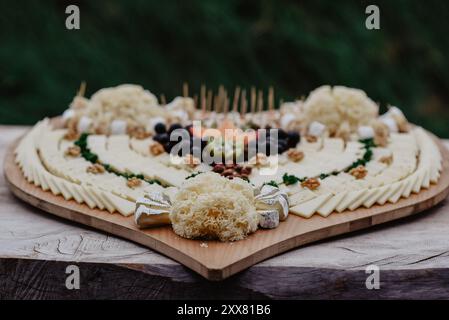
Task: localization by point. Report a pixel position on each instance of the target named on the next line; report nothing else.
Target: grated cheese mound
(332, 106)
(127, 102)
(210, 206)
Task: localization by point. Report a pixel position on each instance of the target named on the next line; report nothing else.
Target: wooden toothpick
(260, 101)
(236, 99)
(163, 100)
(209, 100)
(226, 105)
(271, 99)
(185, 89)
(82, 90)
(243, 104)
(253, 100)
(195, 101)
(203, 99)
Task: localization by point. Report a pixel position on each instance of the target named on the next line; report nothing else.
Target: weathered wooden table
(36, 248)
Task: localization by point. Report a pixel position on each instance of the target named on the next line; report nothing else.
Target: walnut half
(295, 155)
(95, 169)
(359, 172)
(311, 183)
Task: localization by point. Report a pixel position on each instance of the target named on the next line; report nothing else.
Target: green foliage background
(293, 45)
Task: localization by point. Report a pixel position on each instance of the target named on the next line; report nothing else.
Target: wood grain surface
(217, 261)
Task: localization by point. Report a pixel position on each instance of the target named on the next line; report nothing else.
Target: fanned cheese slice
(349, 199)
(409, 185)
(426, 179)
(98, 201)
(395, 196)
(308, 208)
(418, 181)
(393, 188)
(361, 199)
(329, 206)
(376, 194)
(125, 207)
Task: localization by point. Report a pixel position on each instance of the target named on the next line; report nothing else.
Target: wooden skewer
(209, 101)
(195, 101)
(243, 104)
(185, 89)
(253, 100)
(226, 104)
(260, 101)
(236, 99)
(271, 99)
(163, 100)
(216, 103)
(203, 99)
(220, 98)
(82, 90)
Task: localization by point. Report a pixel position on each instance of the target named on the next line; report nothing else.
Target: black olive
(160, 128)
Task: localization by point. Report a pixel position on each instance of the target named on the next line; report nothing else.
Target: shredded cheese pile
(209, 206)
(333, 106)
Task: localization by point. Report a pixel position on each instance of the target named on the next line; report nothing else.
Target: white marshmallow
(68, 114)
(84, 124)
(391, 123)
(118, 127)
(365, 132)
(316, 128)
(287, 119)
(395, 111)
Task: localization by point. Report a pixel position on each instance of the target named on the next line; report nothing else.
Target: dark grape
(160, 128)
(174, 127)
(161, 138)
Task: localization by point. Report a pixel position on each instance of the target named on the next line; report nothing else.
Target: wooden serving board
(216, 260)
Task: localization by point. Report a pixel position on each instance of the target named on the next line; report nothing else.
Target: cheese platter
(218, 188)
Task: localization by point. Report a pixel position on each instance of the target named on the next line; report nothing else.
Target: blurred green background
(293, 45)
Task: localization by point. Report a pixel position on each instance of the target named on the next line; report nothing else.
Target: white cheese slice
(376, 194)
(350, 198)
(124, 207)
(361, 199)
(397, 195)
(418, 181)
(426, 179)
(308, 208)
(393, 188)
(53, 185)
(329, 206)
(300, 197)
(409, 182)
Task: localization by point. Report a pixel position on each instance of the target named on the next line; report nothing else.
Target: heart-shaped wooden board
(217, 260)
